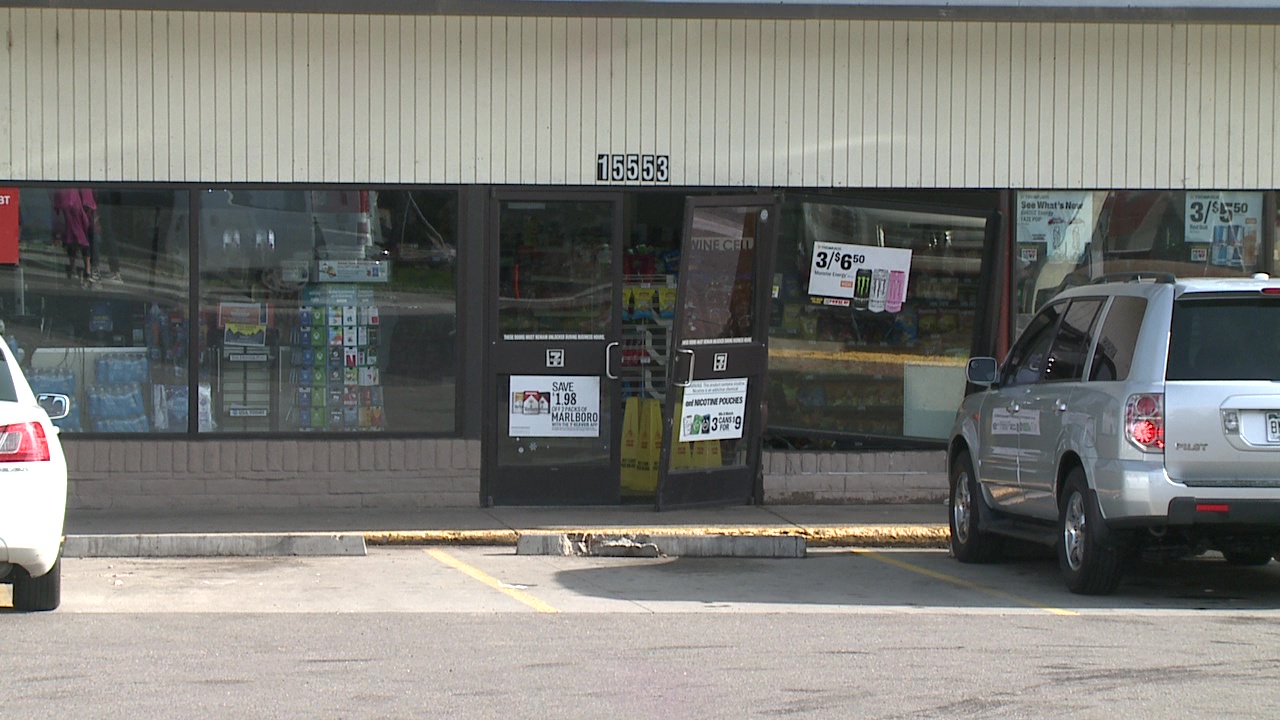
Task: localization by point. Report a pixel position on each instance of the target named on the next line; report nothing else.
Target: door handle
(1060, 406)
(688, 381)
(1014, 407)
(608, 360)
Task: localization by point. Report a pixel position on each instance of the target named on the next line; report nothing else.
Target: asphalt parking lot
(496, 580)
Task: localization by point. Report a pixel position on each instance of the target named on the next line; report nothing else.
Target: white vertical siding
(6, 91)
(108, 95)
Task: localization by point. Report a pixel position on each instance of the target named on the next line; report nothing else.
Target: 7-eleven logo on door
(721, 362)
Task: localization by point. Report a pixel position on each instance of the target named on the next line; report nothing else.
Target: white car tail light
(1144, 421)
(24, 442)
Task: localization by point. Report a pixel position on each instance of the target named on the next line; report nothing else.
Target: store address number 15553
(633, 167)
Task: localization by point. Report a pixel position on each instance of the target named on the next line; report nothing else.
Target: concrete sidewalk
(347, 531)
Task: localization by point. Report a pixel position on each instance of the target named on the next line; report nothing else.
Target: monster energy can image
(879, 290)
(861, 289)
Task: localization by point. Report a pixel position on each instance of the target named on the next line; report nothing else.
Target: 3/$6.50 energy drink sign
(867, 277)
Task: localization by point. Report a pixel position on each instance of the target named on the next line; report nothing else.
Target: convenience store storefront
(423, 260)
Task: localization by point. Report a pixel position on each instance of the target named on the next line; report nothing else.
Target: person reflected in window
(75, 222)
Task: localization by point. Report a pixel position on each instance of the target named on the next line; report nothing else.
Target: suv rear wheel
(1089, 565)
(38, 593)
(968, 543)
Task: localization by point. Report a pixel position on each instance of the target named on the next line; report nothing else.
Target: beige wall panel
(913, 108)
(482, 28)
(587, 92)
(64, 143)
(361, 98)
(678, 93)
(768, 101)
(499, 98)
(230, 107)
(1222, 155)
(314, 100)
(1249, 56)
(557, 151)
(1001, 125)
(803, 107)
(92, 26)
(23, 83)
(385, 98)
(660, 138)
(1266, 130)
(107, 95)
(344, 101)
(1199, 131)
(424, 99)
(7, 129)
(633, 82)
(447, 96)
(203, 108)
(710, 157)
(460, 106)
(242, 109)
(881, 104)
(113, 113)
(1073, 37)
(1136, 113)
(417, 108)
(171, 59)
(837, 130)
(1018, 113)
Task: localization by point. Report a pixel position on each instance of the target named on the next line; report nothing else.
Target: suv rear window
(1224, 339)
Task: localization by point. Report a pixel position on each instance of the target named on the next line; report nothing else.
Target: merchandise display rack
(648, 305)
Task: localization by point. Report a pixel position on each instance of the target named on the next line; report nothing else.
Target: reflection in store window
(96, 306)
(555, 268)
(1067, 238)
(328, 310)
(872, 323)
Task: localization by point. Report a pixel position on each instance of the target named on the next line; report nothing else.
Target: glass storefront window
(1068, 238)
(328, 310)
(872, 323)
(555, 268)
(96, 305)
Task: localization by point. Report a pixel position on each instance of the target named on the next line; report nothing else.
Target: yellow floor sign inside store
(642, 448)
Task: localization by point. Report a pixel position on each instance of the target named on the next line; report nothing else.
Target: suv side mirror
(56, 405)
(981, 371)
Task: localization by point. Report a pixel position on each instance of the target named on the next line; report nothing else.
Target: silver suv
(1135, 416)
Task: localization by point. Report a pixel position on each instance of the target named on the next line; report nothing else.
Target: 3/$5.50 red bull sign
(9, 229)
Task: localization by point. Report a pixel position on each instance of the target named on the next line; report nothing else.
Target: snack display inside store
(880, 351)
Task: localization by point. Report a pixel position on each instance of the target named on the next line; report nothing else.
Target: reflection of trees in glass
(555, 266)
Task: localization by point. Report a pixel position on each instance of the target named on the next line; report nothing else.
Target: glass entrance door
(712, 419)
(554, 350)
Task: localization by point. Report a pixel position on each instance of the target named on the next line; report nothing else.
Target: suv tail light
(24, 442)
(1144, 421)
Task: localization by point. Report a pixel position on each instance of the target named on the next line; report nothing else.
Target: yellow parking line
(961, 583)
(491, 581)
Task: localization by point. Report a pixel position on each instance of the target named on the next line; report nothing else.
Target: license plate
(1273, 427)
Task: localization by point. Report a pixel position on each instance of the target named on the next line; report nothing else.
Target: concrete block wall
(251, 474)
(795, 477)
(277, 474)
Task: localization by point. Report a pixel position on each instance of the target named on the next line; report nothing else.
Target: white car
(33, 489)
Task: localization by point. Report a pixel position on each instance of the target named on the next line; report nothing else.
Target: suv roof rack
(1148, 277)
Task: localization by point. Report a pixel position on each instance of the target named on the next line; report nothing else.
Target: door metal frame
(491, 482)
(729, 481)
